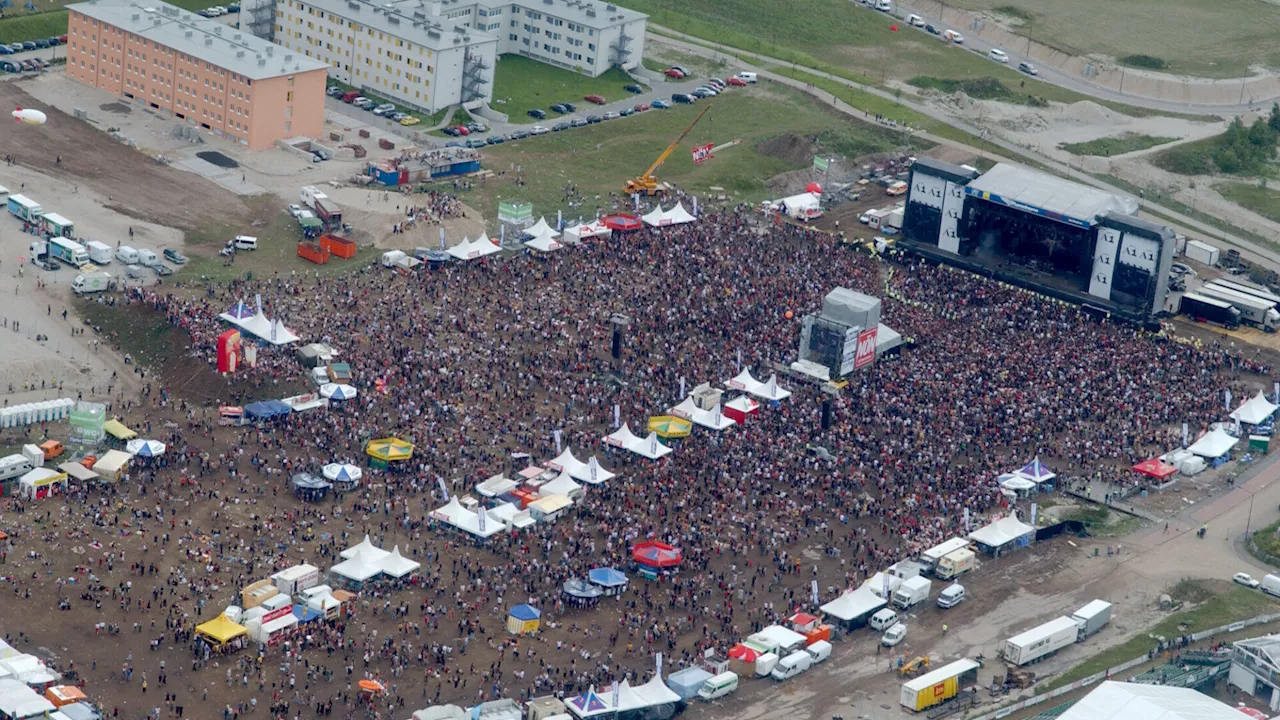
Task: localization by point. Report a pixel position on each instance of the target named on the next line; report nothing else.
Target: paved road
(1248, 248)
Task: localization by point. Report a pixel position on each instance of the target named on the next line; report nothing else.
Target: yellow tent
(221, 630)
(670, 426)
(117, 430)
(389, 449)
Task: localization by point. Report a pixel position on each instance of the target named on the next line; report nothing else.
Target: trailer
(68, 251)
(931, 556)
(329, 212)
(1253, 310)
(24, 208)
(1247, 289)
(1202, 252)
(938, 686)
(1207, 309)
(58, 226)
(1091, 618)
(1040, 642)
(92, 283)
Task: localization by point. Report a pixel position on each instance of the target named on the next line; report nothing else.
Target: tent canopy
(266, 410)
(117, 430)
(390, 449)
(850, 605)
(145, 448)
(656, 554)
(307, 481)
(1255, 411)
(1214, 444)
(525, 612)
(1036, 472)
(1001, 532)
(607, 577)
(1152, 467)
(221, 629)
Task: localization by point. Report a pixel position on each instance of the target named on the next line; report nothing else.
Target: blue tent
(266, 410)
(607, 577)
(525, 612)
(306, 614)
(588, 702)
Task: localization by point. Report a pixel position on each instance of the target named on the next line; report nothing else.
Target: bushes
(1241, 150)
(1143, 61)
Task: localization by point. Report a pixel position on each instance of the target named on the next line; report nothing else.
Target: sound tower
(826, 413)
(619, 323)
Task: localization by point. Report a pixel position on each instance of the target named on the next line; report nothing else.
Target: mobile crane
(647, 183)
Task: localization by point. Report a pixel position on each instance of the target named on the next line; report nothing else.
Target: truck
(99, 253)
(92, 283)
(912, 592)
(931, 556)
(147, 258)
(68, 251)
(1040, 642)
(329, 212)
(956, 563)
(1202, 252)
(1253, 310)
(1207, 309)
(1090, 618)
(310, 193)
(1270, 585)
(1248, 289)
(24, 208)
(875, 218)
(126, 255)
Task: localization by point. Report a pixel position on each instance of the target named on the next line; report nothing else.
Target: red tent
(744, 653)
(656, 555)
(622, 222)
(1153, 467)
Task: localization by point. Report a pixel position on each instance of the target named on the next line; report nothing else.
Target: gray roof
(944, 169)
(584, 12)
(202, 38)
(1022, 186)
(1123, 221)
(1268, 646)
(410, 20)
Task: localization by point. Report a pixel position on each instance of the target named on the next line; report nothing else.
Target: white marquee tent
(678, 215)
(655, 217)
(647, 447)
(366, 546)
(398, 566)
(562, 484)
(540, 229)
(586, 230)
(1132, 701)
(455, 515)
(543, 243)
(361, 567)
(769, 390)
(1001, 532)
(1214, 443)
(711, 419)
(1255, 411)
(589, 472)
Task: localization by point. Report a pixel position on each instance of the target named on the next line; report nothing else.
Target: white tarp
(593, 473)
(496, 485)
(1001, 532)
(1255, 411)
(567, 462)
(768, 390)
(586, 230)
(563, 484)
(463, 519)
(647, 447)
(273, 331)
(1215, 443)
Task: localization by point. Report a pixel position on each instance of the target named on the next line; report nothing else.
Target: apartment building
(212, 75)
(430, 54)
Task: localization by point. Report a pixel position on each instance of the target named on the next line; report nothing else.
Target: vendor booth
(1036, 472)
(1154, 468)
(345, 477)
(1256, 411)
(611, 581)
(549, 508)
(338, 392)
(654, 558)
(265, 410)
(523, 620)
(669, 427)
(397, 568)
(356, 571)
(648, 447)
(1003, 535)
(385, 451)
(41, 483)
(1214, 444)
(61, 695)
(622, 222)
(310, 488)
(221, 633)
(113, 465)
(117, 430)
(580, 593)
(853, 609)
(79, 472)
(741, 408)
(589, 472)
(144, 448)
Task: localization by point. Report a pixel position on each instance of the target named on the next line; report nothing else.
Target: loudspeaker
(826, 413)
(617, 345)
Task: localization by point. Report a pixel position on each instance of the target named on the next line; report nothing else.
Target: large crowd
(488, 358)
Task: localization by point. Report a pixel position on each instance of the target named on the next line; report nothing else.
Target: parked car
(611, 115)
(462, 130)
(295, 209)
(682, 98)
(594, 99)
(537, 114)
(660, 105)
(333, 91)
(50, 265)
(932, 30)
(1181, 269)
(716, 83)
(560, 126)
(1028, 68)
(538, 130)
(30, 65)
(42, 43)
(570, 107)
(174, 256)
(682, 69)
(233, 9)
(135, 271)
(398, 116)
(633, 89)
(28, 45)
(62, 39)
(477, 127)
(915, 21)
(999, 56)
(4, 50)
(519, 134)
(9, 66)
(475, 143)
(362, 102)
(577, 122)
(495, 140)
(736, 82)
(454, 143)
(1246, 580)
(592, 119)
(384, 109)
(642, 107)
(162, 269)
(409, 120)
(703, 92)
(450, 131)
(560, 108)
(16, 47)
(627, 112)
(673, 73)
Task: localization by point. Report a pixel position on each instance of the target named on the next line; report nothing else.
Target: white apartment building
(430, 54)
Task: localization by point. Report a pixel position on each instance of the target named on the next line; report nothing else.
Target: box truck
(931, 556)
(92, 283)
(1040, 642)
(68, 251)
(912, 592)
(24, 208)
(1270, 585)
(1253, 310)
(99, 253)
(1090, 618)
(955, 564)
(1206, 309)
(1202, 252)
(1248, 289)
(939, 685)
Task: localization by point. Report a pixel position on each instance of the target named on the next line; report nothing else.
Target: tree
(1274, 120)
(1227, 160)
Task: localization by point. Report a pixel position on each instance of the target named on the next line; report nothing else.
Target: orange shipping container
(313, 252)
(339, 246)
(822, 632)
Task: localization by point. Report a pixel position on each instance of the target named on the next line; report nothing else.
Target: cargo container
(1040, 642)
(24, 208)
(68, 251)
(1202, 252)
(313, 252)
(1091, 618)
(338, 246)
(931, 556)
(938, 686)
(328, 212)
(956, 563)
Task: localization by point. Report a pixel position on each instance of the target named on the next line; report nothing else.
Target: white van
(718, 686)
(883, 620)
(126, 255)
(766, 663)
(953, 36)
(748, 77)
(999, 56)
(884, 5)
(1271, 585)
(894, 635)
(146, 258)
(951, 596)
(819, 651)
(246, 242)
(792, 665)
(915, 21)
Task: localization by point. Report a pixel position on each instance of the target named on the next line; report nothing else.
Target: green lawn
(1217, 603)
(1211, 38)
(983, 88)
(150, 343)
(521, 84)
(1108, 146)
(1251, 196)
(598, 159)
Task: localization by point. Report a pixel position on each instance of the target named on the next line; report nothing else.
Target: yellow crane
(647, 183)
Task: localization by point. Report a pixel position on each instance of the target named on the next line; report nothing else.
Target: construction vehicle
(647, 183)
(914, 666)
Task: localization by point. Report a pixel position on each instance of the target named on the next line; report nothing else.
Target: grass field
(521, 85)
(1217, 603)
(1108, 146)
(1210, 38)
(983, 88)
(598, 159)
(1258, 198)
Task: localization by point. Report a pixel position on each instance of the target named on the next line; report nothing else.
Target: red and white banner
(276, 614)
(866, 349)
(702, 153)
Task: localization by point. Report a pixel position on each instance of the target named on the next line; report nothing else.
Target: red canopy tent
(656, 555)
(744, 653)
(1153, 467)
(622, 222)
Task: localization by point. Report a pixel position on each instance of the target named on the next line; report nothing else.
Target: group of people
(484, 359)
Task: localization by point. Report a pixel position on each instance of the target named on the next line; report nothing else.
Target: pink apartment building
(211, 75)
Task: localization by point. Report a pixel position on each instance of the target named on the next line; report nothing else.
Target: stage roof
(1047, 196)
